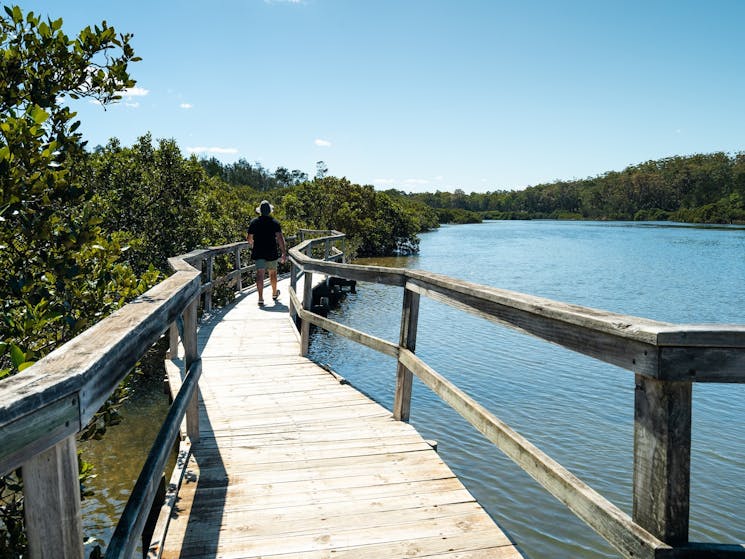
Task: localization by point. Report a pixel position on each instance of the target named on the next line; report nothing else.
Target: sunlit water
(578, 410)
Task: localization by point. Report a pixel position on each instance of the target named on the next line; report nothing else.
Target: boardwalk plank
(292, 463)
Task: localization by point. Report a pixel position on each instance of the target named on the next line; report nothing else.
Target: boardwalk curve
(293, 463)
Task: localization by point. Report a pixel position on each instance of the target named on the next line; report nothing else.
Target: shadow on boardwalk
(291, 463)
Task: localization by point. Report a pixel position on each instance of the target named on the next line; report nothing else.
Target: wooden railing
(44, 407)
(665, 358)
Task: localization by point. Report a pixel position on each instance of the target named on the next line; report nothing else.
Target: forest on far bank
(700, 188)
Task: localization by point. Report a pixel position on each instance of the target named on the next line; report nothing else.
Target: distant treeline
(705, 188)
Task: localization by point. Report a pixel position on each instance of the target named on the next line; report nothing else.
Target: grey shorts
(268, 264)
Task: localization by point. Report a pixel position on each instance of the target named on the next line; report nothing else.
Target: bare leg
(260, 283)
(273, 281)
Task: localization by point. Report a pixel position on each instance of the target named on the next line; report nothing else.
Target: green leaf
(17, 356)
(25, 365)
(39, 115)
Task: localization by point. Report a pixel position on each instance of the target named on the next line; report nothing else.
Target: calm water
(119, 457)
(576, 409)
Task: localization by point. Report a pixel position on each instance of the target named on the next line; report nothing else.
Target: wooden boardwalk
(293, 463)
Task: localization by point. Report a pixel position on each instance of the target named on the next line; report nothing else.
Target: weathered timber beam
(662, 457)
(696, 550)
(601, 344)
(89, 367)
(596, 511)
(155, 548)
(226, 249)
(378, 344)
(51, 490)
(129, 529)
(189, 261)
(633, 343)
(702, 364)
(374, 274)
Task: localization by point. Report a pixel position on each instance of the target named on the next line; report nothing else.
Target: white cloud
(322, 143)
(134, 92)
(134, 105)
(214, 150)
(186, 106)
(416, 181)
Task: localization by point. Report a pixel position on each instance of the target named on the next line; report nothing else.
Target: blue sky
(428, 94)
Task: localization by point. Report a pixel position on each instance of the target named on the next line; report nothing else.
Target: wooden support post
(239, 283)
(327, 250)
(662, 458)
(208, 294)
(407, 340)
(293, 286)
(191, 354)
(173, 341)
(51, 489)
(307, 304)
(343, 250)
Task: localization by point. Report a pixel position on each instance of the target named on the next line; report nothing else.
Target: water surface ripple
(578, 410)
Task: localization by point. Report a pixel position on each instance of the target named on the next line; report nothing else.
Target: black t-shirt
(264, 229)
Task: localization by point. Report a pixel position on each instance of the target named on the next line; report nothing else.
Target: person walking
(264, 236)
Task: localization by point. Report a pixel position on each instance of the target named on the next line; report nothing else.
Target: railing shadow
(210, 486)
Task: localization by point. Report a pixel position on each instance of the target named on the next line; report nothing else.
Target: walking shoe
(261, 302)
(276, 295)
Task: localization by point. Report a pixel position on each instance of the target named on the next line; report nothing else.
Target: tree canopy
(704, 188)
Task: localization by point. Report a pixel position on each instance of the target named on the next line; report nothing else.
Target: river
(578, 410)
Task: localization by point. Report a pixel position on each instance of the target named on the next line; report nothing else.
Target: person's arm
(250, 239)
(281, 242)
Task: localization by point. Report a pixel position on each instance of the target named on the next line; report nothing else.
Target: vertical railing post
(662, 457)
(293, 286)
(191, 354)
(344, 250)
(307, 305)
(327, 250)
(173, 341)
(51, 489)
(407, 340)
(208, 295)
(237, 258)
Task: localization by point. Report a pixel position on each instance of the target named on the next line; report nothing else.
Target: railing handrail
(87, 369)
(666, 358)
(43, 407)
(677, 345)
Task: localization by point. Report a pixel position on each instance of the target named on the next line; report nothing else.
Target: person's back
(264, 235)
(264, 229)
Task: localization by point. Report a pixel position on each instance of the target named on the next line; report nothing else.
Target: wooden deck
(292, 463)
